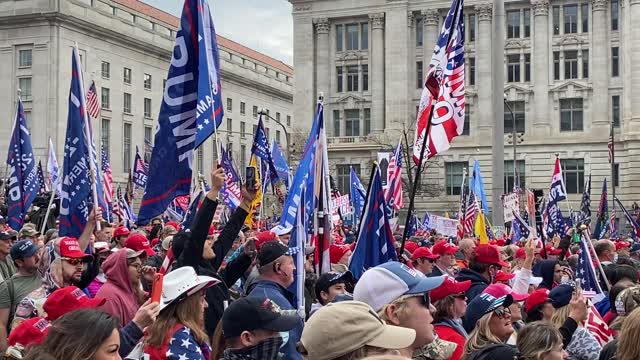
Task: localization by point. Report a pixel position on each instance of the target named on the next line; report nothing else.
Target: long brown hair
(186, 312)
(628, 348)
(444, 309)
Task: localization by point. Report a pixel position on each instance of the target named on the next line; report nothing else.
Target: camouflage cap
(627, 301)
(437, 350)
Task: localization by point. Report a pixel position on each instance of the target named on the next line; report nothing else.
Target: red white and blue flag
(140, 171)
(43, 184)
(443, 92)
(394, 179)
(634, 225)
(107, 181)
(230, 190)
(93, 107)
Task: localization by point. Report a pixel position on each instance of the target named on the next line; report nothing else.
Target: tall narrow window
(365, 77)
(105, 135)
(336, 122)
(147, 107)
(419, 75)
(513, 68)
(467, 120)
(255, 111)
(419, 30)
(615, 110)
(229, 104)
(556, 20)
(243, 108)
(527, 22)
(571, 64)
(615, 61)
(24, 83)
(584, 13)
(288, 120)
(243, 128)
(106, 70)
(127, 103)
(104, 98)
(367, 122)
(352, 78)
(472, 27)
(352, 36)
(513, 24)
(454, 172)
(126, 76)
(352, 122)
(571, 114)
(615, 14)
(243, 158)
(556, 65)
(585, 64)
(472, 71)
(148, 143)
(339, 37)
(364, 36)
(616, 175)
(518, 116)
(147, 82)
(527, 67)
(229, 125)
(126, 147)
(25, 58)
(339, 78)
(570, 19)
(508, 174)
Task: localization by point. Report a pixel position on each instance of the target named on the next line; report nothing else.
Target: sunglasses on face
(502, 312)
(73, 262)
(424, 299)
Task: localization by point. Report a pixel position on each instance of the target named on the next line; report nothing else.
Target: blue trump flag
(261, 149)
(358, 194)
(476, 184)
(76, 201)
(279, 161)
(23, 184)
(375, 244)
(191, 109)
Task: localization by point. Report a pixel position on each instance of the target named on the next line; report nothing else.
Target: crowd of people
(227, 294)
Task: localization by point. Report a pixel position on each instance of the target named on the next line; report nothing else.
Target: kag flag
(231, 193)
(140, 171)
(22, 182)
(191, 109)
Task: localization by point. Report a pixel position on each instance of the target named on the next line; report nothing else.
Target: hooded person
(551, 274)
(483, 266)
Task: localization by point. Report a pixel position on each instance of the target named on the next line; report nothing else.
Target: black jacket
(478, 282)
(547, 272)
(495, 352)
(435, 272)
(191, 255)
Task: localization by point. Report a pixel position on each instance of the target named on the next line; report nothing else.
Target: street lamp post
(514, 134)
(262, 111)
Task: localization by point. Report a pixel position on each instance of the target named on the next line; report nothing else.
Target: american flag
(93, 107)
(394, 176)
(107, 178)
(470, 213)
(586, 273)
(610, 144)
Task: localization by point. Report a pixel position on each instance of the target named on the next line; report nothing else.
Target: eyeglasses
(73, 262)
(137, 266)
(502, 312)
(424, 300)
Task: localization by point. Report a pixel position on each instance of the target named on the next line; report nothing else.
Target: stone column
(411, 63)
(377, 72)
(634, 53)
(322, 56)
(430, 33)
(601, 71)
(483, 69)
(540, 67)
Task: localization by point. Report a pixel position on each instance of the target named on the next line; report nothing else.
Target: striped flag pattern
(470, 214)
(107, 178)
(93, 107)
(394, 179)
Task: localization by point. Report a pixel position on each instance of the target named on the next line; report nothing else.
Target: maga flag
(191, 109)
(261, 149)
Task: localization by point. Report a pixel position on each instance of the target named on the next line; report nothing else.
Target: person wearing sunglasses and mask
(423, 260)
(489, 320)
(450, 302)
(483, 266)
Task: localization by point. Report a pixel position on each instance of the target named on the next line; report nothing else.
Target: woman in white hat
(178, 331)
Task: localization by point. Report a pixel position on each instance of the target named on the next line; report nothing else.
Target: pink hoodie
(121, 301)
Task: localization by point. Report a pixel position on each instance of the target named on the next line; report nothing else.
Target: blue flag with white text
(280, 162)
(261, 149)
(358, 194)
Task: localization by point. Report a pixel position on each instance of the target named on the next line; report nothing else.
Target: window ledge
(24, 66)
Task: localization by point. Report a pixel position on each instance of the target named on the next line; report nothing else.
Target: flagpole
(613, 170)
(53, 195)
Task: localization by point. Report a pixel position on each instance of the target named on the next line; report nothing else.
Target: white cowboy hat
(183, 282)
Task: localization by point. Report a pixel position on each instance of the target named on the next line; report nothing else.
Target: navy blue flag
(634, 225)
(375, 244)
(231, 193)
(358, 194)
(191, 110)
(140, 171)
(586, 272)
(192, 211)
(279, 161)
(585, 205)
(43, 185)
(602, 222)
(77, 200)
(22, 180)
(261, 149)
(520, 226)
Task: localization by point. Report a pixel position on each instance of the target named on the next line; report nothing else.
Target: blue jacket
(283, 298)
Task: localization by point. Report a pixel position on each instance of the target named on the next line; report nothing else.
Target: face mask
(615, 258)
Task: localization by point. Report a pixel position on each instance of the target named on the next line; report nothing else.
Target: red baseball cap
(536, 298)
(499, 290)
(622, 245)
(30, 332)
(174, 224)
(121, 231)
(442, 247)
(410, 246)
(503, 276)
(449, 287)
(552, 251)
(139, 242)
(68, 299)
(336, 252)
(264, 237)
(70, 248)
(521, 253)
(423, 252)
(489, 254)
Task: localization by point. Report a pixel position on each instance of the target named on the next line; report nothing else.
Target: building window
(344, 176)
(148, 147)
(367, 122)
(243, 159)
(277, 116)
(339, 78)
(127, 103)
(339, 37)
(513, 68)
(508, 175)
(556, 65)
(278, 136)
(336, 122)
(571, 64)
(365, 77)
(126, 147)
(570, 19)
(518, 113)
(419, 75)
(615, 110)
(571, 114)
(266, 131)
(352, 78)
(352, 122)
(147, 82)
(147, 107)
(472, 27)
(467, 120)
(255, 111)
(615, 61)
(24, 84)
(454, 173)
(556, 20)
(106, 70)
(25, 58)
(229, 125)
(585, 64)
(364, 36)
(105, 135)
(615, 13)
(229, 104)
(351, 36)
(242, 108)
(472, 71)
(104, 98)
(584, 12)
(127, 76)
(616, 175)
(200, 160)
(255, 130)
(419, 30)
(243, 128)
(527, 67)
(573, 170)
(513, 24)
(527, 22)
(288, 120)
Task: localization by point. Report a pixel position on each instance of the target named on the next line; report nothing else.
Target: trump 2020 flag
(443, 92)
(261, 149)
(191, 110)
(23, 184)
(375, 240)
(140, 172)
(231, 193)
(358, 194)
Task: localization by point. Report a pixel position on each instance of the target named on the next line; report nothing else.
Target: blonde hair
(537, 339)
(480, 337)
(559, 316)
(401, 307)
(628, 348)
(186, 312)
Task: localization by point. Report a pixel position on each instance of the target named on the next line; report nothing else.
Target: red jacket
(449, 334)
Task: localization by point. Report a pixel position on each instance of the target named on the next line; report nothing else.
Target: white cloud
(263, 25)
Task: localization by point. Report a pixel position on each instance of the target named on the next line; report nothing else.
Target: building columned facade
(568, 70)
(125, 47)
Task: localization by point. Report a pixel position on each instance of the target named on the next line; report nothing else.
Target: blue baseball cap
(482, 305)
(384, 283)
(23, 249)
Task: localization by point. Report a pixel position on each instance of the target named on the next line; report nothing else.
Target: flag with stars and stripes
(520, 226)
(586, 272)
(394, 179)
(471, 211)
(43, 184)
(22, 179)
(93, 107)
(140, 171)
(107, 181)
(182, 346)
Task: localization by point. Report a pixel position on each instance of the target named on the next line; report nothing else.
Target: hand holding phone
(156, 289)
(250, 177)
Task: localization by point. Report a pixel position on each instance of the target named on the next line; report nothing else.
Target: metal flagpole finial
(557, 155)
(321, 97)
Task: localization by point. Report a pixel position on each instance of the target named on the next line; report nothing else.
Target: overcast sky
(263, 25)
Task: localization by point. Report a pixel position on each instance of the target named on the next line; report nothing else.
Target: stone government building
(126, 47)
(568, 73)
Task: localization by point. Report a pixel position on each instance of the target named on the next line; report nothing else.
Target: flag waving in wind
(93, 107)
(280, 163)
(394, 175)
(140, 171)
(191, 109)
(557, 192)
(602, 222)
(585, 205)
(261, 149)
(443, 92)
(43, 184)
(23, 185)
(53, 169)
(358, 195)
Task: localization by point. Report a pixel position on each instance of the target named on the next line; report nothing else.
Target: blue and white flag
(261, 149)
(426, 221)
(231, 193)
(22, 180)
(140, 171)
(476, 184)
(280, 162)
(297, 244)
(191, 110)
(375, 244)
(358, 194)
(586, 272)
(520, 226)
(77, 200)
(53, 169)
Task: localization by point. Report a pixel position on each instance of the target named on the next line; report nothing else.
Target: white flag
(53, 169)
